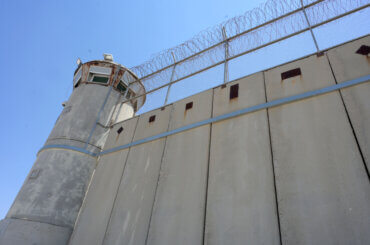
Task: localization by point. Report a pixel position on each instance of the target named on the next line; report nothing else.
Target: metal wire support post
(171, 79)
(226, 64)
(309, 26)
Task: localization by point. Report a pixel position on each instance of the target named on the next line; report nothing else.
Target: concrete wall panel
(322, 188)
(347, 65)
(315, 75)
(251, 92)
(115, 139)
(21, 232)
(132, 210)
(95, 212)
(96, 209)
(241, 204)
(201, 109)
(159, 125)
(178, 213)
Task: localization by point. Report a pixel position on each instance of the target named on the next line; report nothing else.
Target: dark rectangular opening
(152, 118)
(291, 73)
(234, 91)
(364, 50)
(120, 130)
(189, 105)
(223, 86)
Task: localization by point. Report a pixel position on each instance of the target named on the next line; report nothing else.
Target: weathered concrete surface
(96, 209)
(178, 214)
(129, 223)
(160, 124)
(93, 220)
(115, 139)
(95, 212)
(251, 92)
(322, 188)
(53, 191)
(201, 110)
(20, 232)
(133, 207)
(241, 204)
(347, 65)
(80, 113)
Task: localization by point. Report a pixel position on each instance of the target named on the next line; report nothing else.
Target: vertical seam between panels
(349, 120)
(207, 172)
(159, 175)
(119, 183)
(272, 161)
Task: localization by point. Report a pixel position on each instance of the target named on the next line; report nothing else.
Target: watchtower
(46, 207)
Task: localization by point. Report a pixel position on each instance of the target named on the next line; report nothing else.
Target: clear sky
(41, 40)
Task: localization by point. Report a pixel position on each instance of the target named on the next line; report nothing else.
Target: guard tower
(46, 207)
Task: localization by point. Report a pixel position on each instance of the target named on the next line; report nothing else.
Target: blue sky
(41, 40)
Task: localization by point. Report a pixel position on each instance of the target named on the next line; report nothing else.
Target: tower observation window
(98, 78)
(121, 87)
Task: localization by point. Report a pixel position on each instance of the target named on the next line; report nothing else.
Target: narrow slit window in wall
(120, 130)
(152, 118)
(364, 50)
(234, 91)
(291, 73)
(189, 106)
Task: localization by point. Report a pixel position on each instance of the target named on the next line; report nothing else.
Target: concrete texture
(178, 214)
(130, 218)
(19, 232)
(95, 213)
(201, 110)
(213, 184)
(241, 196)
(347, 65)
(115, 139)
(80, 113)
(160, 124)
(322, 187)
(132, 210)
(52, 193)
(54, 190)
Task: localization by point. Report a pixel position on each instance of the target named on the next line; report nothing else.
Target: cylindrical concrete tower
(46, 207)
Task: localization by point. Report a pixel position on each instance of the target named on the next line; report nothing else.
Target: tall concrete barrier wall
(347, 65)
(241, 203)
(322, 186)
(271, 172)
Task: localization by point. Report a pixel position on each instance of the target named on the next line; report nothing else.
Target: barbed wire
(266, 23)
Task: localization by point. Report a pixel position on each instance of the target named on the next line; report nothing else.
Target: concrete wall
(132, 211)
(241, 196)
(346, 65)
(95, 212)
(322, 187)
(290, 174)
(178, 213)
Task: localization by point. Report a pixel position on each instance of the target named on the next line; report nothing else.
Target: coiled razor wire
(261, 26)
